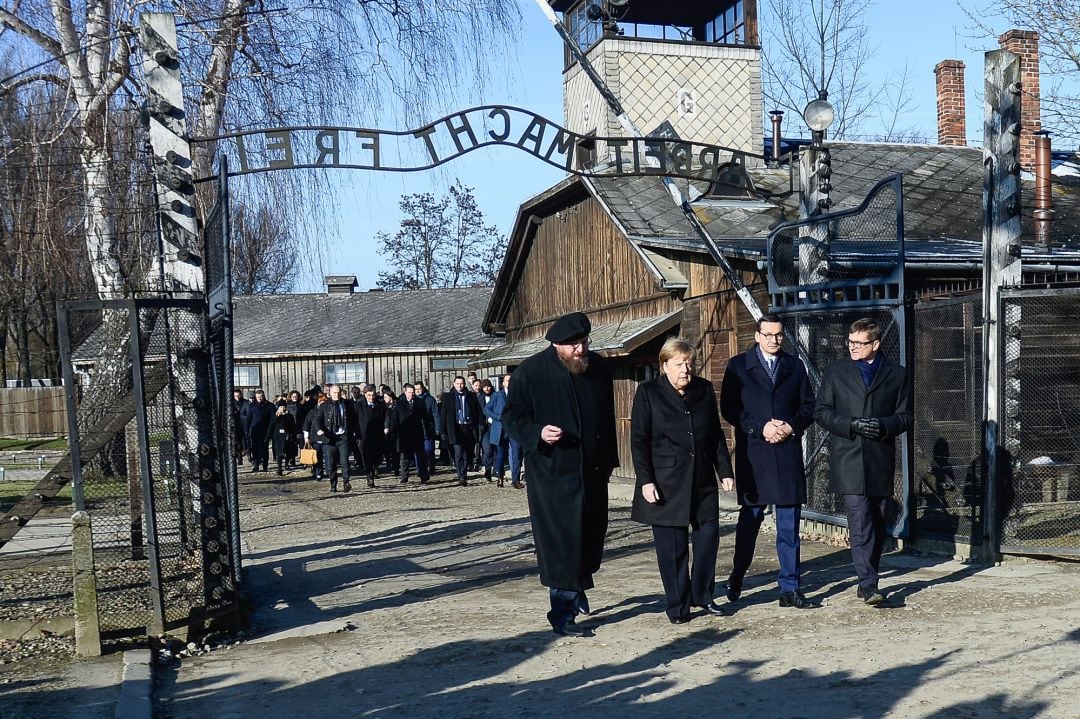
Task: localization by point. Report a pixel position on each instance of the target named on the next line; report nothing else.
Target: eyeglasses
(858, 343)
(776, 337)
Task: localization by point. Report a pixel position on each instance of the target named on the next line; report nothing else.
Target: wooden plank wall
(301, 373)
(33, 412)
(579, 261)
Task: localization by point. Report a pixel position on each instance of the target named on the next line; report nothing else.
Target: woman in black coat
(283, 435)
(678, 448)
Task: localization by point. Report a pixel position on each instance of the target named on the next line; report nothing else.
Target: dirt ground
(406, 601)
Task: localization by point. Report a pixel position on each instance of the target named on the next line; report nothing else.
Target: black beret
(569, 328)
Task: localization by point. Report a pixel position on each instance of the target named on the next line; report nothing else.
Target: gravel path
(405, 601)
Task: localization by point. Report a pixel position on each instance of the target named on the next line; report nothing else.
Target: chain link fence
(948, 390)
(147, 466)
(823, 335)
(1040, 503)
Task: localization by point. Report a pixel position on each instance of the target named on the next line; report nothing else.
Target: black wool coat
(678, 445)
(767, 473)
(410, 424)
(260, 418)
(371, 424)
(567, 481)
(448, 414)
(283, 435)
(858, 465)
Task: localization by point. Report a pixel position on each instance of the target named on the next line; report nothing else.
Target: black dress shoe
(333, 486)
(371, 483)
(678, 620)
(734, 590)
(347, 487)
(870, 596)
(713, 608)
(404, 480)
(795, 599)
(570, 629)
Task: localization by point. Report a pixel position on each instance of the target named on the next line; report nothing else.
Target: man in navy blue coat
(767, 398)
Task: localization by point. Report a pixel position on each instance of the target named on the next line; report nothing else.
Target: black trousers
(418, 458)
(336, 454)
(683, 586)
(866, 525)
(463, 451)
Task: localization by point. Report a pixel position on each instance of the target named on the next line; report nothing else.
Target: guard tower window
(729, 27)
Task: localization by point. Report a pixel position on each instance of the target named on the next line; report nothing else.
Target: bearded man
(562, 412)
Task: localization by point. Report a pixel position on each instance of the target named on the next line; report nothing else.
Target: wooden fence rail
(32, 412)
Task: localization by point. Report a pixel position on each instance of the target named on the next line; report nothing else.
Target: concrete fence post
(87, 629)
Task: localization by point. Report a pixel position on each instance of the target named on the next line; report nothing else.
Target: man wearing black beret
(562, 412)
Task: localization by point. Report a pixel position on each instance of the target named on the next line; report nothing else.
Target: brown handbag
(309, 455)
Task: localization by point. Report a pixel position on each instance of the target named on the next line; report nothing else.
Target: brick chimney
(951, 120)
(1025, 43)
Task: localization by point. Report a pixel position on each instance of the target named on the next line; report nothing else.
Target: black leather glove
(869, 427)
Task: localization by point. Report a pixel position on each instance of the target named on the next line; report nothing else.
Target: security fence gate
(825, 273)
(151, 438)
(147, 463)
(1040, 498)
(948, 387)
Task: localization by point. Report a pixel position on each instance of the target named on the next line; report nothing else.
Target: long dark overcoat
(678, 445)
(567, 481)
(283, 435)
(767, 473)
(371, 424)
(260, 418)
(858, 465)
(410, 424)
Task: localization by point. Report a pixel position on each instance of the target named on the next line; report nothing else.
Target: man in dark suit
(562, 411)
(334, 426)
(411, 424)
(767, 398)
(864, 403)
(461, 421)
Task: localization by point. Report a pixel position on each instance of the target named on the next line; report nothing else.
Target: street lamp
(818, 115)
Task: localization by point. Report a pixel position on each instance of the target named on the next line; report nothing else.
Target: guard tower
(686, 67)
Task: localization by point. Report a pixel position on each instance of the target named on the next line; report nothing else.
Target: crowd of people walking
(561, 412)
(374, 431)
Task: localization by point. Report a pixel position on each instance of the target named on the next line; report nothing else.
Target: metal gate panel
(824, 273)
(948, 389)
(143, 459)
(1040, 502)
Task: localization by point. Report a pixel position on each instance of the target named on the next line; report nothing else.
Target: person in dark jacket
(766, 396)
(260, 417)
(371, 425)
(864, 403)
(462, 419)
(679, 449)
(562, 411)
(292, 405)
(501, 440)
(239, 419)
(334, 422)
(487, 447)
(412, 425)
(283, 435)
(310, 434)
(432, 406)
(392, 456)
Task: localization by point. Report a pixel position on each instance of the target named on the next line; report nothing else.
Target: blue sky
(919, 33)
